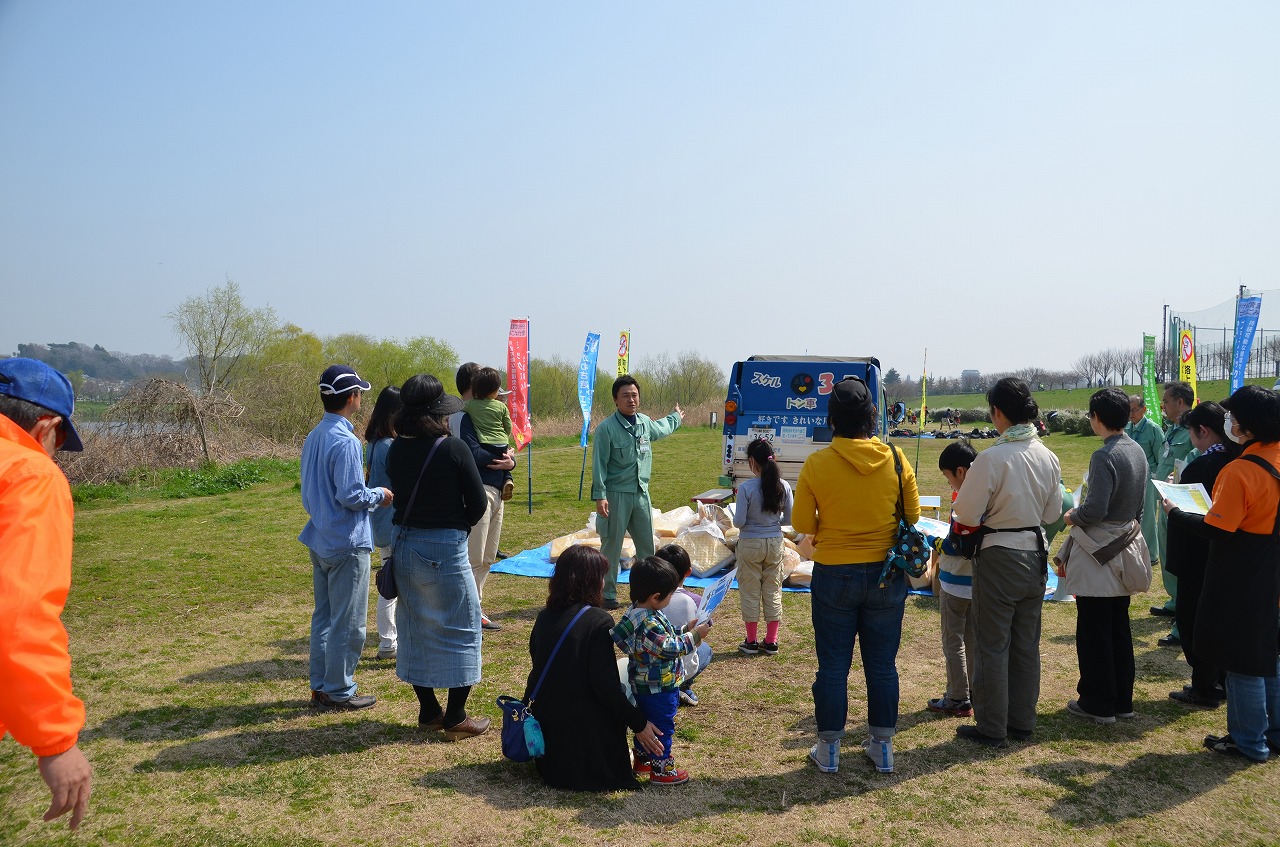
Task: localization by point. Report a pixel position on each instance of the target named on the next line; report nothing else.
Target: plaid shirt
(655, 647)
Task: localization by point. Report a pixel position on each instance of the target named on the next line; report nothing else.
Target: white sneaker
(1073, 706)
(826, 755)
(880, 752)
(386, 652)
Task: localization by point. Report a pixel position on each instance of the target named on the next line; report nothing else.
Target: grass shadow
(163, 723)
(263, 669)
(274, 746)
(505, 785)
(292, 646)
(1097, 794)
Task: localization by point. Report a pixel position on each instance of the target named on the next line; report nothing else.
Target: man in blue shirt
(340, 539)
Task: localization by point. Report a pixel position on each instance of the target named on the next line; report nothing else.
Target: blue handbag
(910, 550)
(522, 738)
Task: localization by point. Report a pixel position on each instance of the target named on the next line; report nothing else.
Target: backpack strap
(1269, 468)
(897, 466)
(533, 694)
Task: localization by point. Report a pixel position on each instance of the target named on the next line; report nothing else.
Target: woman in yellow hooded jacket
(845, 498)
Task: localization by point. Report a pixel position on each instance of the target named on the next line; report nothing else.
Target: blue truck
(784, 399)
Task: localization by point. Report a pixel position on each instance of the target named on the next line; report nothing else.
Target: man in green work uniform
(621, 462)
(1176, 401)
(1151, 439)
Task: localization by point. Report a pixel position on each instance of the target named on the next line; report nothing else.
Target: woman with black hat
(1238, 615)
(846, 498)
(438, 613)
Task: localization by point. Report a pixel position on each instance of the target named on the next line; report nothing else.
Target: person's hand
(70, 779)
(680, 412)
(648, 738)
(505, 463)
(702, 629)
(387, 496)
(1167, 505)
(806, 548)
(1068, 518)
(602, 508)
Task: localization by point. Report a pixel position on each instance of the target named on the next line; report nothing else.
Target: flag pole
(529, 461)
(924, 392)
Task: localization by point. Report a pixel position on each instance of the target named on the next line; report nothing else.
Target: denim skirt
(438, 614)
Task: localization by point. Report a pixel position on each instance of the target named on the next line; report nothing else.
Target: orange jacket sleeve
(37, 705)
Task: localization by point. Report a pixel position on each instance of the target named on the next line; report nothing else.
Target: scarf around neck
(1017, 432)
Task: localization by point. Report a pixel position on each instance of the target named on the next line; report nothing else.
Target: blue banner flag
(1247, 311)
(587, 380)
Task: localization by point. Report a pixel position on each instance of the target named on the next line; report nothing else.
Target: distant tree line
(95, 362)
(267, 369)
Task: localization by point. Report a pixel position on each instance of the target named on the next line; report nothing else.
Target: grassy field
(189, 625)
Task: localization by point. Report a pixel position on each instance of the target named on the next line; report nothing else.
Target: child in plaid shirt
(655, 647)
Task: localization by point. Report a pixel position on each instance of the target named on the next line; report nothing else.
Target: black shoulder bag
(386, 578)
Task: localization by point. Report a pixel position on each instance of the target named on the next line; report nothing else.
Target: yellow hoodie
(845, 498)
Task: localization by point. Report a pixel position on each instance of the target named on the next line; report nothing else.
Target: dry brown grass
(189, 630)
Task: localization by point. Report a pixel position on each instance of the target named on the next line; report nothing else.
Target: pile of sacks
(707, 533)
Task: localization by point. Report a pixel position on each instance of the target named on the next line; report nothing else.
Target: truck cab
(784, 399)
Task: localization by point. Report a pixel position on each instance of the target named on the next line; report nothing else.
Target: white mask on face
(1228, 426)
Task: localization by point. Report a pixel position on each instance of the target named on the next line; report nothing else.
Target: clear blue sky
(1007, 184)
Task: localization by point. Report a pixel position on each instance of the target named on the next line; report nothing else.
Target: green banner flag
(1150, 391)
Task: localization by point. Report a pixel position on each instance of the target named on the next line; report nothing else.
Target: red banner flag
(518, 382)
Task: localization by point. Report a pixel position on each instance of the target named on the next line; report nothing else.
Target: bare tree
(220, 331)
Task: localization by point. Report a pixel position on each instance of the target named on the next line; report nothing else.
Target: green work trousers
(628, 512)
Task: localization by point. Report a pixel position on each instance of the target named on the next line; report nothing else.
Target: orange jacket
(1245, 496)
(36, 705)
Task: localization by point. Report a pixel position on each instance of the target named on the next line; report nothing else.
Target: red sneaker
(640, 764)
(665, 772)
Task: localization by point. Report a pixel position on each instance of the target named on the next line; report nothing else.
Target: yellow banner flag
(624, 353)
(1187, 363)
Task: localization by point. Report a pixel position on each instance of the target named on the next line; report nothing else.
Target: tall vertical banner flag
(518, 382)
(1247, 311)
(1187, 362)
(587, 380)
(924, 389)
(1150, 391)
(624, 353)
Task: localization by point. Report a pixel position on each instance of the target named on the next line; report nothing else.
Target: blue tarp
(537, 563)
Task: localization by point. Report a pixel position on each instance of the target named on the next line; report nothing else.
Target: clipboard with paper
(712, 597)
(1191, 498)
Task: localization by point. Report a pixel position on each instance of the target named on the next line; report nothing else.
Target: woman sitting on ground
(582, 706)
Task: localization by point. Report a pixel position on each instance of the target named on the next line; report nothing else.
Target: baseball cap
(339, 379)
(850, 394)
(36, 382)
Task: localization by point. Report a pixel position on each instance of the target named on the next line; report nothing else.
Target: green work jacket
(1177, 444)
(622, 455)
(1150, 439)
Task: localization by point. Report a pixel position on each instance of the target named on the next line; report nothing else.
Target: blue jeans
(660, 709)
(704, 659)
(1253, 712)
(849, 605)
(341, 584)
